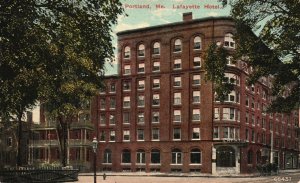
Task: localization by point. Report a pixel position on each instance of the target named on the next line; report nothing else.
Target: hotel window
(126, 117)
(196, 96)
(155, 134)
(231, 132)
(102, 103)
(237, 133)
(102, 90)
(102, 120)
(253, 136)
(112, 119)
(141, 101)
(177, 64)
(177, 98)
(155, 100)
(140, 135)
(176, 134)
(112, 87)
(112, 136)
(177, 116)
(230, 61)
(156, 48)
(230, 97)
(141, 68)
(127, 52)
(247, 134)
(156, 66)
(228, 41)
(126, 86)
(140, 157)
(107, 156)
(247, 118)
(263, 138)
(176, 157)
(195, 156)
(197, 43)
(196, 114)
(127, 70)
(253, 120)
(225, 132)
(141, 118)
(196, 134)
(112, 103)
(155, 117)
(217, 114)
(197, 62)
(247, 101)
(141, 84)
(102, 136)
(216, 132)
(177, 45)
(228, 113)
(155, 156)
(126, 135)
(177, 81)
(156, 84)
(141, 51)
(196, 80)
(232, 78)
(126, 156)
(126, 102)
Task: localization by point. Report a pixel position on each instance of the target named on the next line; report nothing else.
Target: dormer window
(228, 41)
(177, 46)
(141, 51)
(127, 52)
(156, 48)
(197, 43)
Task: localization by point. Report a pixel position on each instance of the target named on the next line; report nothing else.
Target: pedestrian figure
(104, 176)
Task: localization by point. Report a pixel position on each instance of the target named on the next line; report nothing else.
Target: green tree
(53, 52)
(216, 65)
(274, 48)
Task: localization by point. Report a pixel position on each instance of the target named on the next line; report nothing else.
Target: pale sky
(145, 17)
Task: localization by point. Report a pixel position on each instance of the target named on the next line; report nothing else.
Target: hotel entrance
(225, 160)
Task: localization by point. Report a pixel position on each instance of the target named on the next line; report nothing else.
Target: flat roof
(174, 24)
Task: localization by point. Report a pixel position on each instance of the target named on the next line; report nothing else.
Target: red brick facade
(138, 133)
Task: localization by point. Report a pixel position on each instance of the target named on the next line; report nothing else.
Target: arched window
(228, 41)
(107, 156)
(140, 156)
(177, 45)
(156, 48)
(141, 51)
(126, 156)
(176, 156)
(195, 156)
(155, 156)
(127, 52)
(197, 43)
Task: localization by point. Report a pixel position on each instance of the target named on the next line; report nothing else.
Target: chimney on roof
(187, 16)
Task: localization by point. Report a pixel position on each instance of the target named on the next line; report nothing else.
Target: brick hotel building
(157, 113)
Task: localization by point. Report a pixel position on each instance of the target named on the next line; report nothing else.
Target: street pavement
(284, 177)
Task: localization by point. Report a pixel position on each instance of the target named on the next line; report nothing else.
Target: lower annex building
(157, 113)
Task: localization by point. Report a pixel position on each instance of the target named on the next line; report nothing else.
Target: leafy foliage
(275, 51)
(54, 52)
(216, 66)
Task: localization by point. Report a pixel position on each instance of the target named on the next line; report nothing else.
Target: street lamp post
(95, 144)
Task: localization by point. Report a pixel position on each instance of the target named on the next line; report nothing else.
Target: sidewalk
(158, 174)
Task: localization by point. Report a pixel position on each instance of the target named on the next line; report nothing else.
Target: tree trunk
(19, 144)
(63, 137)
